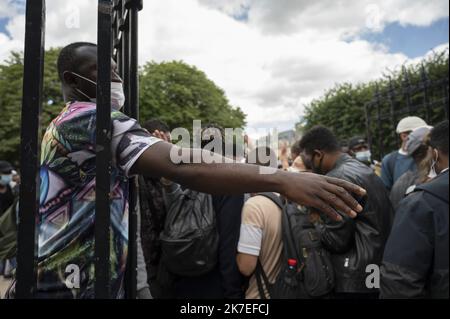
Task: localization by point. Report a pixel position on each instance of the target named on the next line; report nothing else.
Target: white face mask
(433, 172)
(117, 95)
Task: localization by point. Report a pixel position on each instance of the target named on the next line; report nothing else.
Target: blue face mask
(5, 179)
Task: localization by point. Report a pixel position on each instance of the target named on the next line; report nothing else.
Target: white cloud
(230, 7)
(9, 8)
(345, 17)
(288, 52)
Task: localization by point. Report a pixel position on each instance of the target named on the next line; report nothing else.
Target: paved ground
(4, 284)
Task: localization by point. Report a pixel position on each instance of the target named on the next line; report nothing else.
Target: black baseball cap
(5, 167)
(357, 140)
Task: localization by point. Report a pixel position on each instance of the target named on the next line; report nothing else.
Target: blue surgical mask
(364, 156)
(5, 179)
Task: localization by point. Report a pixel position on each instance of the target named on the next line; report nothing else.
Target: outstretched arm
(321, 192)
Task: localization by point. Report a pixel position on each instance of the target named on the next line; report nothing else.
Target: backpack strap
(261, 276)
(290, 247)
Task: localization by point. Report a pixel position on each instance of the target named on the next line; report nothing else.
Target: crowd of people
(210, 230)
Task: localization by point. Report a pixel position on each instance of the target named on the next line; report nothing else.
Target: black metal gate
(422, 96)
(117, 38)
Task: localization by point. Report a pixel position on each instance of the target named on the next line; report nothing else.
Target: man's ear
(318, 154)
(69, 79)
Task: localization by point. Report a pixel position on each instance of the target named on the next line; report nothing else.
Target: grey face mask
(364, 156)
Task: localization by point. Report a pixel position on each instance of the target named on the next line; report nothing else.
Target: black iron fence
(117, 38)
(418, 94)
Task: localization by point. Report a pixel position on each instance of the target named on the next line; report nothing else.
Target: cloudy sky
(270, 56)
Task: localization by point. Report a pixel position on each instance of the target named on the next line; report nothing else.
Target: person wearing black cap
(359, 149)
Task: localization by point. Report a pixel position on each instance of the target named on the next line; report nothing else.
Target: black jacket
(415, 263)
(356, 243)
(6, 200)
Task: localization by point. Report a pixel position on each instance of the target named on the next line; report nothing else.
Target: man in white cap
(398, 162)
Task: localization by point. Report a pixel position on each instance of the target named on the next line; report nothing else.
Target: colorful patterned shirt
(67, 200)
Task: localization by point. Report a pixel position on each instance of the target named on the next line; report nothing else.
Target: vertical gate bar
(130, 275)
(380, 139)
(426, 97)
(126, 59)
(392, 109)
(134, 63)
(367, 107)
(446, 98)
(29, 148)
(103, 152)
(118, 37)
(406, 90)
(134, 7)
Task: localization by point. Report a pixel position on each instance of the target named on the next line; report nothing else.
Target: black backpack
(306, 270)
(189, 241)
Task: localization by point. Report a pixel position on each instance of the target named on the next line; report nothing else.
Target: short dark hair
(320, 138)
(439, 137)
(156, 124)
(67, 57)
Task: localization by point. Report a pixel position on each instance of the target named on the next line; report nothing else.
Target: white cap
(409, 124)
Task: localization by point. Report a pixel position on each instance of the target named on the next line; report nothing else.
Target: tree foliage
(342, 108)
(11, 78)
(178, 94)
